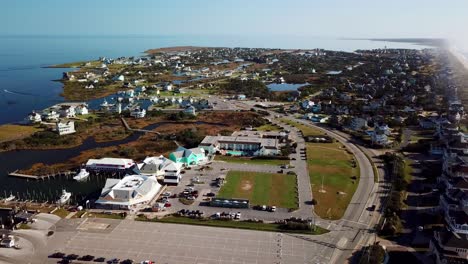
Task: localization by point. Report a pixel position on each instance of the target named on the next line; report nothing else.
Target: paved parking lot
(170, 243)
(208, 176)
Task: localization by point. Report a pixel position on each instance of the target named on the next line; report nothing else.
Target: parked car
(238, 215)
(272, 208)
(57, 255)
(86, 258)
(113, 261)
(100, 259)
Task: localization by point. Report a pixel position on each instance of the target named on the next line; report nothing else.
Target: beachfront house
(133, 192)
(187, 157)
(65, 128)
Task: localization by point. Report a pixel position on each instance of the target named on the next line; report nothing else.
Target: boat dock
(39, 177)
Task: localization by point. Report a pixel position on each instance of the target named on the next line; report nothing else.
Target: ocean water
(25, 85)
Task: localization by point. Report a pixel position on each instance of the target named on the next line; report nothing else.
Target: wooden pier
(38, 177)
(127, 127)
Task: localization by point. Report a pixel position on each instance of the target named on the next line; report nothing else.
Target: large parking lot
(220, 169)
(170, 243)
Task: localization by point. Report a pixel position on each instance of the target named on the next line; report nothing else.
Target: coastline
(459, 56)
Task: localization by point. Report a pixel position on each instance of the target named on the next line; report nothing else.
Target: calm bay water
(25, 86)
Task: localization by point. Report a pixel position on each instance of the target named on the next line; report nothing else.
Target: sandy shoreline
(459, 56)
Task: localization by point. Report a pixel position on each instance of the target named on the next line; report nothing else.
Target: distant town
(264, 155)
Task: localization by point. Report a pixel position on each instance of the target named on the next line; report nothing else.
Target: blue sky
(334, 18)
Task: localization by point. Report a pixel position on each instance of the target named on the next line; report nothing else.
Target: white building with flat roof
(110, 164)
(131, 192)
(241, 145)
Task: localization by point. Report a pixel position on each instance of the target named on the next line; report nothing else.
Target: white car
(238, 215)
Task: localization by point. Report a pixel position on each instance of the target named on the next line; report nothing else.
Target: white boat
(105, 103)
(64, 198)
(83, 174)
(10, 198)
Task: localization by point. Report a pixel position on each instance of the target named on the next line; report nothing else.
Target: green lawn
(268, 127)
(306, 130)
(261, 188)
(61, 212)
(102, 215)
(246, 160)
(334, 164)
(233, 224)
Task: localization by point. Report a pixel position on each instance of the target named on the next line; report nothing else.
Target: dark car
(371, 208)
(86, 258)
(72, 256)
(127, 261)
(113, 261)
(100, 259)
(57, 255)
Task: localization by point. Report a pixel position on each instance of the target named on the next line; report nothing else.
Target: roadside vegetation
(398, 167)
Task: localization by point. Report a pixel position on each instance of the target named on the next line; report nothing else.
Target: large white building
(131, 192)
(162, 167)
(241, 145)
(65, 128)
(110, 164)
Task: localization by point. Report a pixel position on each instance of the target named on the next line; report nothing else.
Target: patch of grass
(24, 226)
(233, 224)
(246, 160)
(261, 188)
(109, 216)
(306, 130)
(408, 170)
(61, 212)
(79, 214)
(10, 132)
(335, 165)
(268, 127)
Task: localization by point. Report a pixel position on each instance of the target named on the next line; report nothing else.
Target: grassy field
(233, 224)
(11, 132)
(268, 127)
(306, 130)
(233, 159)
(332, 163)
(261, 188)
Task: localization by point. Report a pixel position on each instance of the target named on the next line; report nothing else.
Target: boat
(64, 197)
(83, 174)
(105, 103)
(10, 198)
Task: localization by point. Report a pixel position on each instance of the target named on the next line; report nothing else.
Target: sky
(318, 18)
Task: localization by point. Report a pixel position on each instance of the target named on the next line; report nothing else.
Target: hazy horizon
(299, 18)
